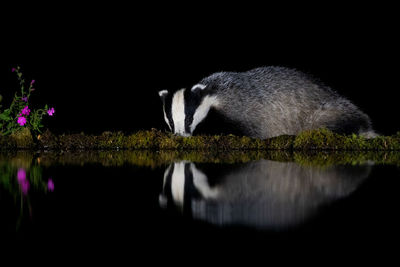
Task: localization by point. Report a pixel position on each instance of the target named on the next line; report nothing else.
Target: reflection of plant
(19, 114)
(19, 181)
(23, 182)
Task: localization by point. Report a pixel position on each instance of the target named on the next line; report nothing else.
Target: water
(172, 203)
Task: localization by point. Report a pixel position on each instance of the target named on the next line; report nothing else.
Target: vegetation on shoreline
(320, 139)
(154, 159)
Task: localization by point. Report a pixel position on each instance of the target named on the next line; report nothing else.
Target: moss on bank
(321, 139)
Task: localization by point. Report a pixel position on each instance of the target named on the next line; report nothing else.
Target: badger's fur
(264, 102)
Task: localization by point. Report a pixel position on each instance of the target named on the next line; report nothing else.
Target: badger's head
(185, 109)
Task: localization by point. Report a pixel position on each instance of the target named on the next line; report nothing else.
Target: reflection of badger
(264, 102)
(261, 194)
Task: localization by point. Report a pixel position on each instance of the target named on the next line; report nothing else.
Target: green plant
(18, 114)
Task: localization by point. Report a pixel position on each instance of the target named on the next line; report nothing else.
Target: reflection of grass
(148, 158)
(349, 157)
(321, 139)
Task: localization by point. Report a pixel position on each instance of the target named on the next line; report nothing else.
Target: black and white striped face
(185, 109)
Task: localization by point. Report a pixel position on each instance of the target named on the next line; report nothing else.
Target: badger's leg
(369, 134)
(344, 118)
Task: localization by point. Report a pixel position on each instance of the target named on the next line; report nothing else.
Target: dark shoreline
(315, 140)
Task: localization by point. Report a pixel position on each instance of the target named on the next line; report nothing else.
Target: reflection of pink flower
(22, 181)
(21, 121)
(50, 185)
(13, 69)
(25, 111)
(50, 111)
(21, 175)
(25, 187)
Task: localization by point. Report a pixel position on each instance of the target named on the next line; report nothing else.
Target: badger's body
(265, 102)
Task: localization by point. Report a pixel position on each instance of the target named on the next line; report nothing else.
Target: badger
(264, 102)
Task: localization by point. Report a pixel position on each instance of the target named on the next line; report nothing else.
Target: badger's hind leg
(343, 118)
(351, 125)
(369, 134)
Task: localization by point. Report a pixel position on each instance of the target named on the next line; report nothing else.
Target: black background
(101, 66)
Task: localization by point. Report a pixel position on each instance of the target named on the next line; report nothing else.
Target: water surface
(273, 202)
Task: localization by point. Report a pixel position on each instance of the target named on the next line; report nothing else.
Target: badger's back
(272, 101)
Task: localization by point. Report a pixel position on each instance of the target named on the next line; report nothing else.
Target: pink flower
(50, 185)
(13, 69)
(50, 111)
(25, 111)
(32, 82)
(25, 99)
(21, 175)
(21, 121)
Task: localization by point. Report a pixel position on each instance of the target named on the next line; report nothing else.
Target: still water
(153, 200)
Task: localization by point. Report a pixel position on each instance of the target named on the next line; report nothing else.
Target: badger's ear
(197, 88)
(163, 94)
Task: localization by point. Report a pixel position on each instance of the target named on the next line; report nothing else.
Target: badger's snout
(184, 134)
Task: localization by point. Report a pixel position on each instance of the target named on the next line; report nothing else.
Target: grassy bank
(321, 139)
